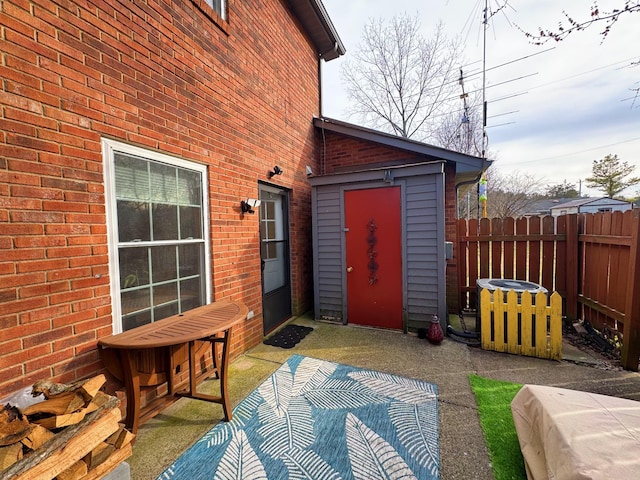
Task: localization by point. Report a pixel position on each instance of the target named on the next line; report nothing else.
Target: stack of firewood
(73, 434)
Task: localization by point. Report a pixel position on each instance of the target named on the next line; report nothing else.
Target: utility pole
(485, 23)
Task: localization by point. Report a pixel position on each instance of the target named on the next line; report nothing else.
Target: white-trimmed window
(219, 6)
(158, 234)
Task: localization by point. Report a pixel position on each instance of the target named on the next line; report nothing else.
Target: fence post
(485, 318)
(631, 332)
(571, 267)
(555, 325)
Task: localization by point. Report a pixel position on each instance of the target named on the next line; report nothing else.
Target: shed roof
(316, 22)
(468, 167)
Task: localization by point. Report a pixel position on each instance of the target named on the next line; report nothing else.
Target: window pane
(165, 294)
(165, 222)
(133, 301)
(134, 267)
(191, 293)
(132, 177)
(165, 311)
(271, 230)
(163, 264)
(190, 226)
(189, 260)
(133, 221)
(270, 210)
(136, 320)
(189, 188)
(164, 186)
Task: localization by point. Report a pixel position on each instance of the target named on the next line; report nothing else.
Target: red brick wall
(340, 151)
(164, 76)
(451, 235)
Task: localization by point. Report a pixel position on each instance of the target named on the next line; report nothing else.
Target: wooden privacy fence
(591, 260)
(518, 324)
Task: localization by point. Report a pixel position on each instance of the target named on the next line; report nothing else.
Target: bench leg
(222, 372)
(132, 387)
(214, 356)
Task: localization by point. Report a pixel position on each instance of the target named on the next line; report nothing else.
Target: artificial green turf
(494, 408)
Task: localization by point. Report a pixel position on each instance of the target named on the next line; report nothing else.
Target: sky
(553, 109)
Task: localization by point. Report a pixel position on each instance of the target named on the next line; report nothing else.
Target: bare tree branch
(596, 15)
(397, 79)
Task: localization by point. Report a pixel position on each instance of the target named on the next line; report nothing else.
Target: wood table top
(200, 322)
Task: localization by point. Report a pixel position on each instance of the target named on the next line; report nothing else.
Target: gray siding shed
(423, 239)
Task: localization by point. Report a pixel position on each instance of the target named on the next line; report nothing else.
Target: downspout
(320, 86)
(468, 182)
(334, 50)
(322, 56)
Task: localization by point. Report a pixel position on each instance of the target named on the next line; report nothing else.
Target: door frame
(403, 244)
(284, 291)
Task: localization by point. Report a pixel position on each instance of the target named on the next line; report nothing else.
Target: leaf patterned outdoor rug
(314, 419)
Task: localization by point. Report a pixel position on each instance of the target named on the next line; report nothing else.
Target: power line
(578, 152)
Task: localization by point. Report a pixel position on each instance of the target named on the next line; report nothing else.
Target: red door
(374, 257)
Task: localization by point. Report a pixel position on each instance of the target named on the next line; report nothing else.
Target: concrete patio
(463, 452)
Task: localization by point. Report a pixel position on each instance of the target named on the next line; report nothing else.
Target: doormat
(314, 419)
(289, 336)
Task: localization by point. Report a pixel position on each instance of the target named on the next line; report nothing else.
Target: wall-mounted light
(309, 171)
(248, 205)
(276, 171)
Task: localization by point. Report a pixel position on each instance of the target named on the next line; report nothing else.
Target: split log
(92, 444)
(98, 455)
(98, 400)
(61, 404)
(75, 472)
(14, 426)
(68, 446)
(49, 388)
(10, 455)
(38, 437)
(121, 437)
(91, 387)
(60, 421)
(119, 456)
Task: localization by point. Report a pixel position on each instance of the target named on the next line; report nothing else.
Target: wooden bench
(162, 343)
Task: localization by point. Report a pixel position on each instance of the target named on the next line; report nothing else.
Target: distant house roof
(468, 167)
(586, 201)
(544, 205)
(315, 20)
(578, 202)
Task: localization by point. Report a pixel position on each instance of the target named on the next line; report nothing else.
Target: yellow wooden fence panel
(521, 325)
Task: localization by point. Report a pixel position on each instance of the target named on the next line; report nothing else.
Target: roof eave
(467, 166)
(315, 20)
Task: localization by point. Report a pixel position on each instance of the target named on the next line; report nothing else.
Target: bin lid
(507, 284)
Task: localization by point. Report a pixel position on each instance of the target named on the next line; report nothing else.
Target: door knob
(349, 269)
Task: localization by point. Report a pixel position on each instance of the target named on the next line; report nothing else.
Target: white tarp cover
(566, 434)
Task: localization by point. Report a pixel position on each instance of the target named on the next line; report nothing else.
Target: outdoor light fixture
(276, 171)
(247, 206)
